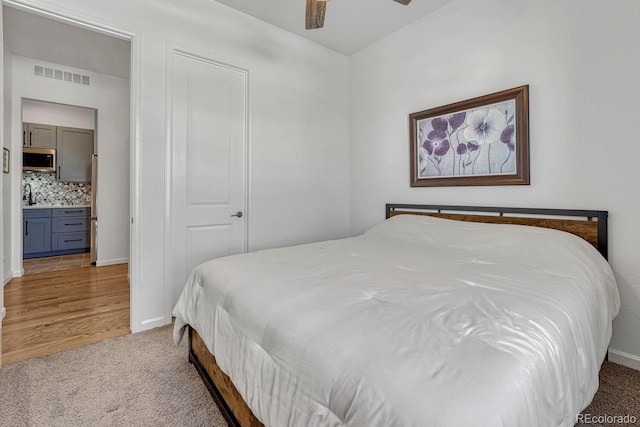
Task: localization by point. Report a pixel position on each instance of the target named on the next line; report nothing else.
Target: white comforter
(419, 322)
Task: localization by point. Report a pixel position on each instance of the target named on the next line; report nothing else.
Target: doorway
(59, 209)
(64, 67)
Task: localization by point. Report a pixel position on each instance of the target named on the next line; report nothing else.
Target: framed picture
(5, 160)
(480, 141)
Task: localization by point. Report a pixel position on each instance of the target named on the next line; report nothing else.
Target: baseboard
(18, 273)
(7, 278)
(621, 358)
(104, 263)
(147, 324)
(3, 313)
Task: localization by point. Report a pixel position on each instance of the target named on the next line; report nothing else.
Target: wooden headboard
(589, 225)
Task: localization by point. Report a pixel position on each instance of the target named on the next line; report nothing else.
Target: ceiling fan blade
(315, 13)
(404, 2)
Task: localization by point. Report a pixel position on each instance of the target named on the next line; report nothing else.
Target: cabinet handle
(26, 233)
(72, 212)
(24, 138)
(58, 172)
(75, 223)
(30, 139)
(73, 240)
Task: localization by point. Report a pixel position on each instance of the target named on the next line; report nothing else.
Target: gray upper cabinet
(75, 147)
(35, 135)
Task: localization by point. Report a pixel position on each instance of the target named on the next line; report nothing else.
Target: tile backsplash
(48, 191)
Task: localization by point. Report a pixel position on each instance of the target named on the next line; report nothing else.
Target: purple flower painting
(479, 141)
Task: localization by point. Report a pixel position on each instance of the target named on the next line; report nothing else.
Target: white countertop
(54, 206)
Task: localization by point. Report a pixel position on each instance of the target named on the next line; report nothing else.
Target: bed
(440, 315)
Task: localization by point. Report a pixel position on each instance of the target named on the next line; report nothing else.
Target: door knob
(238, 214)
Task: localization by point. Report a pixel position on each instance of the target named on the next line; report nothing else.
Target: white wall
(110, 97)
(48, 113)
(582, 63)
(299, 155)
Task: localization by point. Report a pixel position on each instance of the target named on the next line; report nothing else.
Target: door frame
(135, 96)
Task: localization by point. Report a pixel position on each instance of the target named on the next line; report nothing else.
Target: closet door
(207, 166)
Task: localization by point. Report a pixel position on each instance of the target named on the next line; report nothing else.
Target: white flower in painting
(485, 126)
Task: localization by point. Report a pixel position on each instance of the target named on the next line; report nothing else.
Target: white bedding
(420, 321)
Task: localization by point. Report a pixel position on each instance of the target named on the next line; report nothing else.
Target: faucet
(28, 195)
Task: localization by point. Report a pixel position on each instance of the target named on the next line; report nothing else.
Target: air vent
(67, 76)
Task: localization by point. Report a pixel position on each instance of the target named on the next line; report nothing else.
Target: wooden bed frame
(226, 396)
(591, 225)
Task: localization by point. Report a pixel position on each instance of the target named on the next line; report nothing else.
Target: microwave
(39, 159)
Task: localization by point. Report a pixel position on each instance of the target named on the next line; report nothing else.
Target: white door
(206, 204)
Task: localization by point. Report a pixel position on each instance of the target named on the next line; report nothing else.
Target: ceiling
(34, 36)
(349, 25)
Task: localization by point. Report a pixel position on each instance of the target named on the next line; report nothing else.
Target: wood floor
(55, 311)
(56, 263)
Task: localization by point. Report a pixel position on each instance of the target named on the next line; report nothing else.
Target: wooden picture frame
(480, 141)
(5, 160)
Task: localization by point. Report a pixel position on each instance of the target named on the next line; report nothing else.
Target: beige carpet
(618, 395)
(134, 380)
(145, 380)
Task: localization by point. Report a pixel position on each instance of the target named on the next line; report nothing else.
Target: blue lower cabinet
(69, 225)
(55, 231)
(61, 242)
(36, 235)
(70, 212)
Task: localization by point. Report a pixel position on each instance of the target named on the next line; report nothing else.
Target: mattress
(419, 321)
